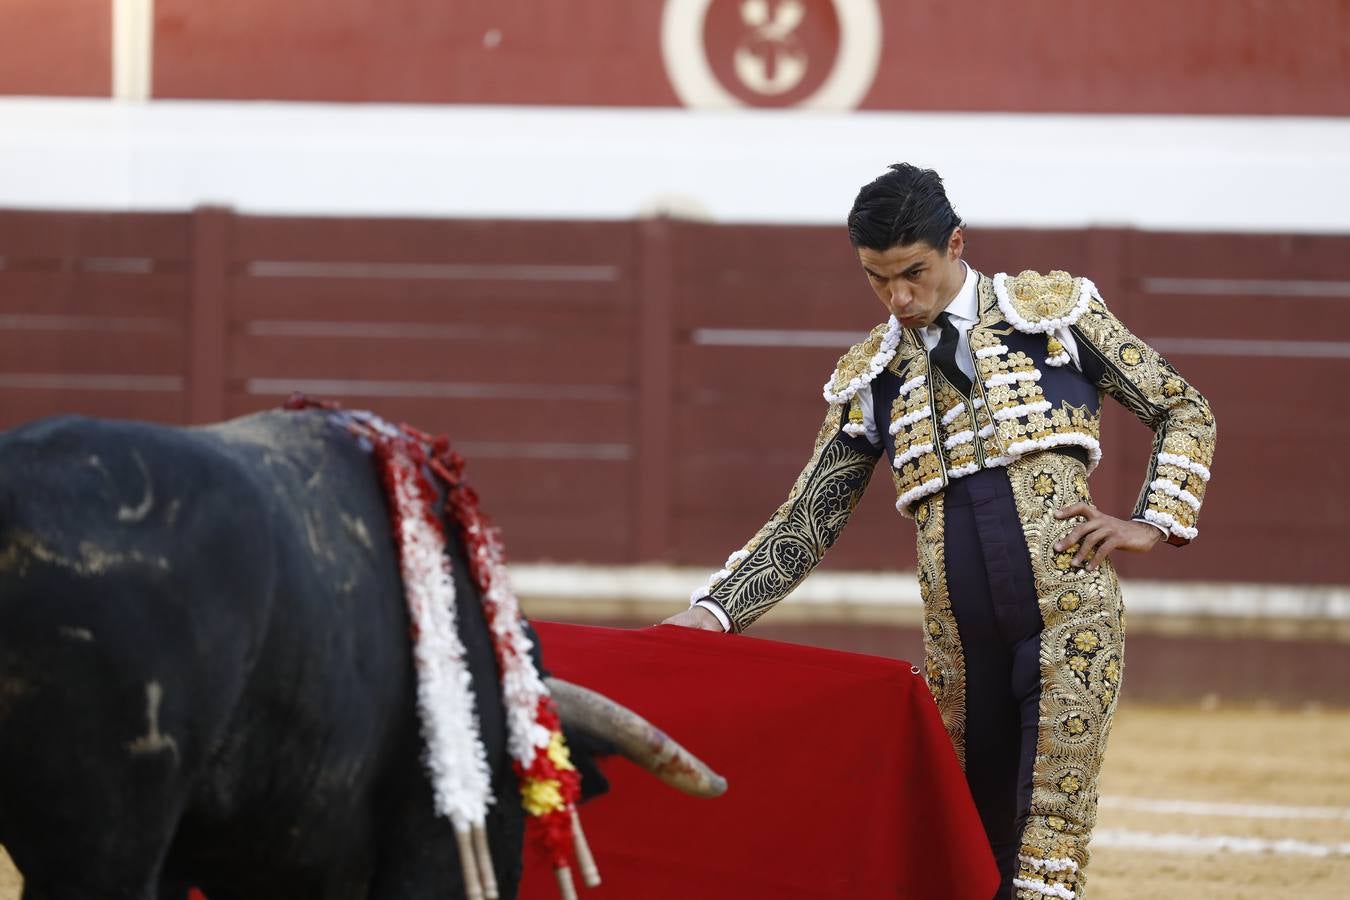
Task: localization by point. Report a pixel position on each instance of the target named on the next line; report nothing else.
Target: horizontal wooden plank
(1011, 250)
(528, 428)
(1238, 256)
(1277, 317)
(545, 304)
(139, 353)
(705, 374)
(876, 537)
(18, 406)
(1306, 555)
(587, 537)
(574, 361)
(38, 235)
(558, 510)
(732, 427)
(158, 294)
(468, 241)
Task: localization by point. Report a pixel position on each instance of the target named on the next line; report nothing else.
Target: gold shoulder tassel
(855, 411)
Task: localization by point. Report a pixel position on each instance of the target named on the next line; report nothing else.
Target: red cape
(842, 780)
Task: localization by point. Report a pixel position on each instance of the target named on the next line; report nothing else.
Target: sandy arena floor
(1208, 804)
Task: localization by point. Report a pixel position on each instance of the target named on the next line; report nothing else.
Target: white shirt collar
(965, 306)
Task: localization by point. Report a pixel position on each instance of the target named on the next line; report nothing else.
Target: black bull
(205, 670)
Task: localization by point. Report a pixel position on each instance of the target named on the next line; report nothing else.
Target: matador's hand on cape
(1099, 535)
(695, 617)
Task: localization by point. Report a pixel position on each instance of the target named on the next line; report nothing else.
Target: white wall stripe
(657, 584)
(773, 337)
(133, 40)
(45, 381)
(1247, 348)
(778, 337)
(326, 387)
(1248, 287)
(1186, 173)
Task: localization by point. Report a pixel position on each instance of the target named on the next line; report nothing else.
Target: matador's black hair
(905, 205)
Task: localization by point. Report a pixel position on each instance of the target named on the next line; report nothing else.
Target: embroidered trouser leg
(1026, 707)
(993, 600)
(1081, 660)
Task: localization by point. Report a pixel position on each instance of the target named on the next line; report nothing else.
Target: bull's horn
(635, 738)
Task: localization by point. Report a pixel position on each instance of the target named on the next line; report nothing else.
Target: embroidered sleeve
(795, 538)
(1140, 379)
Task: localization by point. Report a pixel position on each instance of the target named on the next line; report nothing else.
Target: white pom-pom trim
(950, 415)
(912, 453)
(1167, 521)
(1048, 890)
(719, 576)
(736, 558)
(986, 431)
(910, 418)
(885, 353)
(1170, 487)
(961, 437)
(967, 469)
(908, 497)
(1024, 409)
(1049, 442)
(1183, 462)
(855, 429)
(1012, 377)
(996, 350)
(977, 403)
(913, 384)
(1086, 291)
(455, 755)
(1061, 358)
(1050, 865)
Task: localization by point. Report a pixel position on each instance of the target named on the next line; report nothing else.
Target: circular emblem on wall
(818, 54)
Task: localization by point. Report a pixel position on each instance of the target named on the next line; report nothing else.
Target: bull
(206, 675)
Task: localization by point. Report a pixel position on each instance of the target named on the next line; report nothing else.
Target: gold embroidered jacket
(1027, 398)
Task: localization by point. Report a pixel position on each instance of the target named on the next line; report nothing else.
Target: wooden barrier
(637, 391)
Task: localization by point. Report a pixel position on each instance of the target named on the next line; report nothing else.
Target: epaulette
(864, 361)
(1038, 304)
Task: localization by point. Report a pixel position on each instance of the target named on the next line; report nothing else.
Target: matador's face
(915, 281)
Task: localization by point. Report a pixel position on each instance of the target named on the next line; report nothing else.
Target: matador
(984, 395)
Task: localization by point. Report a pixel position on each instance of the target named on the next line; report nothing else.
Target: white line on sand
(1226, 810)
(1171, 842)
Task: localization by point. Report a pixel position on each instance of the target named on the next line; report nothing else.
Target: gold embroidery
(796, 537)
(1144, 382)
(1082, 649)
(1037, 297)
(944, 663)
(858, 358)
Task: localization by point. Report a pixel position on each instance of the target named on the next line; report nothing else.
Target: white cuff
(716, 610)
(1165, 533)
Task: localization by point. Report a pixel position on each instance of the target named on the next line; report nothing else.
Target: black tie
(944, 356)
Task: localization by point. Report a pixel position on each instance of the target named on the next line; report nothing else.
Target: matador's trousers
(1024, 656)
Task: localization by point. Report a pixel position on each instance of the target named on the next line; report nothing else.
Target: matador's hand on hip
(1100, 535)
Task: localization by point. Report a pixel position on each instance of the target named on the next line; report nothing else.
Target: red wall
(565, 360)
(1158, 56)
(60, 48)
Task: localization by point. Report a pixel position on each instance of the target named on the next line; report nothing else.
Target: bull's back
(189, 626)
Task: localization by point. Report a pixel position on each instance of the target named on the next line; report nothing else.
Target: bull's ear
(586, 751)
